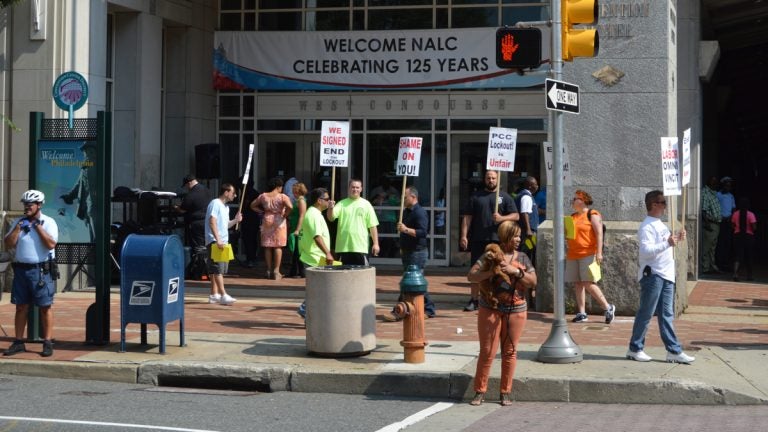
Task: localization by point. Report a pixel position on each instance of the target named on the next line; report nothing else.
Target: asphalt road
(44, 404)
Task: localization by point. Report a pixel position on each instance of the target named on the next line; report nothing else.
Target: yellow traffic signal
(579, 42)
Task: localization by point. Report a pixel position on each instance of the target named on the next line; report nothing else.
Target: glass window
(512, 15)
(280, 4)
(358, 20)
(229, 125)
(409, 19)
(406, 124)
(229, 22)
(473, 2)
(475, 17)
(249, 106)
(229, 106)
(249, 21)
(331, 20)
(440, 180)
(231, 4)
(524, 124)
(279, 125)
(280, 21)
(374, 3)
(248, 125)
(472, 124)
(441, 18)
(329, 3)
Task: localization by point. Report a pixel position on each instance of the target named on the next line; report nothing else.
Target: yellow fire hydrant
(413, 286)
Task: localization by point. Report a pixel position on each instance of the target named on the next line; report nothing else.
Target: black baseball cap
(188, 178)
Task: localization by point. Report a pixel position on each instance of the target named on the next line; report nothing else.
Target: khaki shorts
(578, 270)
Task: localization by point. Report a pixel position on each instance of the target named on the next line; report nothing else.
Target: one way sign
(562, 96)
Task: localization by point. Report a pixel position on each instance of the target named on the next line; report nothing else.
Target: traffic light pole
(559, 347)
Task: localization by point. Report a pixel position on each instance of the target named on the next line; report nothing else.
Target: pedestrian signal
(518, 48)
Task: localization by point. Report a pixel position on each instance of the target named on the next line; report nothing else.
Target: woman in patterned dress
(275, 206)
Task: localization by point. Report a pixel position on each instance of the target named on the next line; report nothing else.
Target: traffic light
(579, 42)
(518, 48)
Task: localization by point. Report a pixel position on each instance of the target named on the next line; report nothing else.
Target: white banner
(549, 160)
(687, 156)
(385, 60)
(409, 156)
(670, 166)
(502, 144)
(334, 143)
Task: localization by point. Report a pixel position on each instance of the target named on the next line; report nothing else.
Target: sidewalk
(258, 343)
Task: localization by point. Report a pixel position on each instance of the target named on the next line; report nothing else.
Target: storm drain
(213, 383)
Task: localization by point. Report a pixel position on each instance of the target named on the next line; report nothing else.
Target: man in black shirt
(193, 207)
(480, 221)
(414, 248)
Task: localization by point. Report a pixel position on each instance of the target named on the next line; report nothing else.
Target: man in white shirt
(657, 282)
(217, 235)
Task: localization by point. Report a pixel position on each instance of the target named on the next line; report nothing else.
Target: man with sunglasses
(657, 282)
(34, 236)
(315, 240)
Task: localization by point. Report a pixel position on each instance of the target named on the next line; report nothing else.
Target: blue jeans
(419, 258)
(656, 295)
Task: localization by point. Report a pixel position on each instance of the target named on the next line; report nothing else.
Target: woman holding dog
(503, 310)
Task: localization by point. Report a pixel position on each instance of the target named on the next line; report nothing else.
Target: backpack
(589, 218)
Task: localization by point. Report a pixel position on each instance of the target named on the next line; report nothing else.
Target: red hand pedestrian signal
(508, 47)
(518, 48)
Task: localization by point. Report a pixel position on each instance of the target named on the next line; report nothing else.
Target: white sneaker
(227, 299)
(214, 298)
(680, 358)
(640, 356)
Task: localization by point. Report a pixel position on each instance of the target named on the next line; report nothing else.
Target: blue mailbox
(151, 285)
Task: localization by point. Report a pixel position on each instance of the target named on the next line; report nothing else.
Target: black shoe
(47, 348)
(430, 314)
(471, 306)
(16, 347)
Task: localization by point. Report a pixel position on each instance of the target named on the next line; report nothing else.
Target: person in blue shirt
(540, 198)
(34, 236)
(727, 202)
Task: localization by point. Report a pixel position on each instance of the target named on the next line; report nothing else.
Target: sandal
(478, 399)
(505, 399)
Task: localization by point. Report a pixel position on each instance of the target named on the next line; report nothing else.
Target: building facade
(180, 73)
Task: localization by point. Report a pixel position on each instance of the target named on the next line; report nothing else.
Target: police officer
(34, 237)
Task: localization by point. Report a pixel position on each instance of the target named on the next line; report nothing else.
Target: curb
(451, 385)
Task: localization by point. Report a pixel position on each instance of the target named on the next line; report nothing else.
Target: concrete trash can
(341, 310)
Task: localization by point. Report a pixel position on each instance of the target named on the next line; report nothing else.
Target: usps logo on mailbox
(173, 290)
(141, 293)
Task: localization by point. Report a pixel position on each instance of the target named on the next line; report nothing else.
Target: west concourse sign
(562, 96)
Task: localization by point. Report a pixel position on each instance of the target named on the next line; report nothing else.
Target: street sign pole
(559, 347)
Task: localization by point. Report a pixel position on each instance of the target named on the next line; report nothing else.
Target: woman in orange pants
(503, 310)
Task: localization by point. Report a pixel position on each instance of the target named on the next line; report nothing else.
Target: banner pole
(333, 182)
(402, 200)
(498, 188)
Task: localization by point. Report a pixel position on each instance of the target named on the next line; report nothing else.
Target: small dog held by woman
(491, 260)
